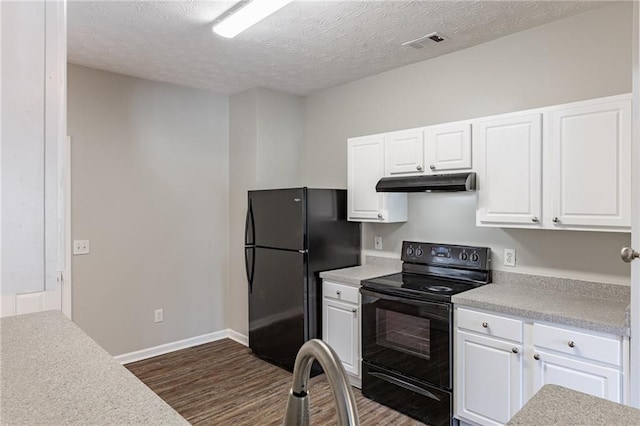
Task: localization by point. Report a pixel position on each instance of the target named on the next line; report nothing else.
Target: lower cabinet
(501, 362)
(489, 378)
(341, 325)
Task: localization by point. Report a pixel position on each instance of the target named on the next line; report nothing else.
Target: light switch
(80, 247)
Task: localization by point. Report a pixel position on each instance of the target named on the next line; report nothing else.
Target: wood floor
(222, 383)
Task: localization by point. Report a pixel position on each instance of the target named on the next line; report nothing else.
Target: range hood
(432, 183)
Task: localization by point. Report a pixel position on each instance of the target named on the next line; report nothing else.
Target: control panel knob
(464, 255)
(419, 252)
(474, 257)
(410, 251)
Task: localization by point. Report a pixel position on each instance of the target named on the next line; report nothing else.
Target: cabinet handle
(379, 215)
(419, 168)
(432, 167)
(535, 219)
(514, 350)
(571, 344)
(338, 292)
(536, 357)
(555, 220)
(354, 310)
(485, 324)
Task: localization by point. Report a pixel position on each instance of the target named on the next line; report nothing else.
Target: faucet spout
(297, 411)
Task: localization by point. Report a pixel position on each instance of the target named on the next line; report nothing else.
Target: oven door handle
(403, 384)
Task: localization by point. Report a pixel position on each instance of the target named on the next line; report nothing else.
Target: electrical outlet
(510, 257)
(81, 247)
(377, 243)
(159, 315)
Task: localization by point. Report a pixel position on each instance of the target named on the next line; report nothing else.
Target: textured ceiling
(304, 47)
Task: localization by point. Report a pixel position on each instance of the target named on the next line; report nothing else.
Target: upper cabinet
(448, 147)
(590, 165)
(428, 150)
(509, 167)
(404, 152)
(365, 159)
(562, 167)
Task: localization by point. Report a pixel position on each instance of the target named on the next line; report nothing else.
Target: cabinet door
(488, 379)
(404, 153)
(585, 377)
(340, 329)
(365, 168)
(448, 147)
(509, 152)
(590, 148)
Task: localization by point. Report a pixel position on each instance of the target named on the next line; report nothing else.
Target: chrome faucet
(297, 411)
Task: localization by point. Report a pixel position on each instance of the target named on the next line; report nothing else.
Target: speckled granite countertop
(582, 304)
(556, 405)
(373, 267)
(53, 374)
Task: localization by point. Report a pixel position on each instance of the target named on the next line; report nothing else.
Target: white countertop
(53, 374)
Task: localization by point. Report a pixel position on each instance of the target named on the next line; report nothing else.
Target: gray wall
(265, 138)
(150, 190)
(582, 57)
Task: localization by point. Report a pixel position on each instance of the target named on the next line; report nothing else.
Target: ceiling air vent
(423, 41)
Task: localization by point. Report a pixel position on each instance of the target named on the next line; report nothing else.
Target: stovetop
(435, 271)
(418, 286)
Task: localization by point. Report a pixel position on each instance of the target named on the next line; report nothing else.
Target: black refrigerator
(291, 235)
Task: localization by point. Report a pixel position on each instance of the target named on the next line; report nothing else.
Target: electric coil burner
(407, 328)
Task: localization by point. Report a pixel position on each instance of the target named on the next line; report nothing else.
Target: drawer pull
(354, 310)
(338, 292)
(514, 350)
(485, 324)
(536, 357)
(571, 344)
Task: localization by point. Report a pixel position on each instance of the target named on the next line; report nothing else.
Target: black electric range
(407, 328)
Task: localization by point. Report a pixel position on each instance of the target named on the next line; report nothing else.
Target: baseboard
(181, 344)
(238, 337)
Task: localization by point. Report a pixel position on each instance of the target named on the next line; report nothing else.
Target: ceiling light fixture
(249, 15)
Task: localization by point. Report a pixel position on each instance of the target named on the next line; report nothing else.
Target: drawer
(490, 325)
(346, 293)
(584, 345)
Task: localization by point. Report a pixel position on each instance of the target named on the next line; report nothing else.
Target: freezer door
(277, 305)
(278, 218)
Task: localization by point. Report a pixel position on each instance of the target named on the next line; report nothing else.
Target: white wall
(150, 190)
(582, 57)
(265, 139)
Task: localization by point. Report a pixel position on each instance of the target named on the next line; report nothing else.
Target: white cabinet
(578, 360)
(341, 325)
(435, 149)
(509, 167)
(583, 180)
(604, 382)
(488, 367)
(501, 362)
(448, 147)
(365, 158)
(590, 165)
(404, 152)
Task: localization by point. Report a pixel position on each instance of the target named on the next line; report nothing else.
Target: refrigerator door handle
(249, 269)
(249, 225)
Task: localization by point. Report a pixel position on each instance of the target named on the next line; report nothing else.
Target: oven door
(412, 337)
